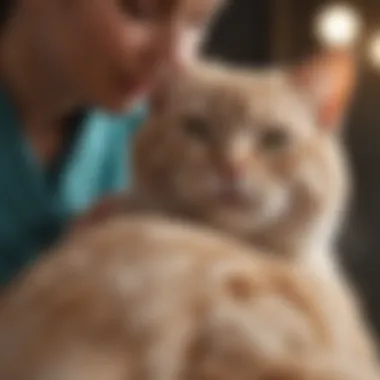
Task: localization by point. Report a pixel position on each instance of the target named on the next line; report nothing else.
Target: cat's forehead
(264, 97)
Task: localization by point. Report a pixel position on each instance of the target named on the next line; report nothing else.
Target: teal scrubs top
(35, 206)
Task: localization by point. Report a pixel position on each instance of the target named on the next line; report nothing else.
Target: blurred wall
(242, 34)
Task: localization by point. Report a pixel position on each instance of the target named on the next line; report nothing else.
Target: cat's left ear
(329, 80)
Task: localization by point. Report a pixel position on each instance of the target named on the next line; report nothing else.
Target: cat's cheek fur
(266, 212)
(328, 81)
(312, 172)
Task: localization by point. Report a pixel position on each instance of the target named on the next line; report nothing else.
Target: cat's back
(145, 298)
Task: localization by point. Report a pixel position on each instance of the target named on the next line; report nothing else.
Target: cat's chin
(239, 221)
(247, 218)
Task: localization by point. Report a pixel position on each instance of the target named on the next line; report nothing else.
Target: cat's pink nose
(232, 172)
(234, 192)
(233, 181)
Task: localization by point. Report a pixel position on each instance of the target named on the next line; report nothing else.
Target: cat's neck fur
(308, 240)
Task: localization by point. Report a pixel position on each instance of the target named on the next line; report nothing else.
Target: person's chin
(121, 104)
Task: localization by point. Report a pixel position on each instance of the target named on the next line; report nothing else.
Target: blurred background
(262, 32)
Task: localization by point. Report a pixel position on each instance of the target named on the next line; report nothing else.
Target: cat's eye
(196, 127)
(274, 139)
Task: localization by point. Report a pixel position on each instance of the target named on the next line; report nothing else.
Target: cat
(144, 297)
(258, 155)
(254, 153)
(183, 147)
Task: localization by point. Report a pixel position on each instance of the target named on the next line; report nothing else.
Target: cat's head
(253, 152)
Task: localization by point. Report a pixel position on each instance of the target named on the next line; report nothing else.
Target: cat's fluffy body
(144, 297)
(140, 298)
(263, 139)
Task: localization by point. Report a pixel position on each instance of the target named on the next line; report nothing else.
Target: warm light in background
(338, 26)
(374, 50)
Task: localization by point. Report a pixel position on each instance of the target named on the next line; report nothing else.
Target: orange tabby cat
(145, 298)
(257, 154)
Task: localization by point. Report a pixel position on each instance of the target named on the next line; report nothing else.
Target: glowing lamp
(338, 26)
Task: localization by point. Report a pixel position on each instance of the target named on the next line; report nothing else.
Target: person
(74, 75)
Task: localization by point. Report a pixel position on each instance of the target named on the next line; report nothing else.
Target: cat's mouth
(249, 206)
(231, 198)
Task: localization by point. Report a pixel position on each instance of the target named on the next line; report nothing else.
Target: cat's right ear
(328, 80)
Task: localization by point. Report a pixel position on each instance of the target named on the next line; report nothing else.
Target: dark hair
(5, 8)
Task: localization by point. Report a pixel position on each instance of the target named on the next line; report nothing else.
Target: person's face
(111, 51)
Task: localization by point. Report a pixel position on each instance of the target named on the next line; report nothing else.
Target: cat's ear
(328, 80)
